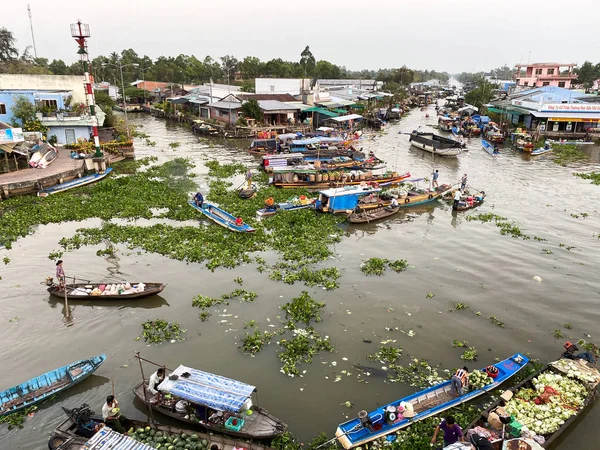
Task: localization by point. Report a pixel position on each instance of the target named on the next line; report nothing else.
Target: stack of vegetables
(479, 379)
(169, 441)
(545, 408)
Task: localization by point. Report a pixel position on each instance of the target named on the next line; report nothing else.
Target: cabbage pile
(573, 370)
(544, 409)
(479, 379)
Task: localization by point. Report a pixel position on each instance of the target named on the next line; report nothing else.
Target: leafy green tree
(481, 95)
(58, 67)
(230, 66)
(502, 73)
(41, 62)
(325, 69)
(251, 67)
(251, 110)
(135, 95)
(24, 115)
(308, 62)
(587, 74)
(8, 50)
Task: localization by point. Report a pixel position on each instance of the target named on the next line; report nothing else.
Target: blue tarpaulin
(107, 439)
(214, 391)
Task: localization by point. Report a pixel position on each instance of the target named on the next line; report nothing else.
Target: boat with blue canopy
(429, 402)
(48, 384)
(88, 179)
(222, 217)
(211, 401)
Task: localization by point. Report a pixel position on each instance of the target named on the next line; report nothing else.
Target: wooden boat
(490, 148)
(222, 217)
(80, 425)
(314, 180)
(471, 201)
(426, 403)
(88, 179)
(371, 215)
(435, 144)
(48, 384)
(287, 206)
(493, 134)
(415, 198)
(445, 123)
(540, 151)
(79, 291)
(212, 396)
(247, 192)
(497, 437)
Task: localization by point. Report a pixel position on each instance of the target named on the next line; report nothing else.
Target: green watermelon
(194, 437)
(152, 432)
(140, 430)
(176, 440)
(184, 436)
(160, 439)
(204, 443)
(148, 428)
(158, 433)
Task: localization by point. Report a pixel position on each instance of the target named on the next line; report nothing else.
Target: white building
(293, 86)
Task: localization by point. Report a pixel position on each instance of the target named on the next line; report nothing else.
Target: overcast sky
(445, 35)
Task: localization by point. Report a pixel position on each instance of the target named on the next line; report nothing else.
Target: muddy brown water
(456, 260)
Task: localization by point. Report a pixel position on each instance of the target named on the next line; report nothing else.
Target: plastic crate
(515, 427)
(230, 426)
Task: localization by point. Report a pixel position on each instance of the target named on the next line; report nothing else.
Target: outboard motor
(365, 420)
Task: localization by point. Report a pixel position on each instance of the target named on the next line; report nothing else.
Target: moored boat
(540, 151)
(445, 123)
(247, 192)
(43, 156)
(542, 407)
(88, 179)
(81, 424)
(222, 217)
(435, 144)
(490, 148)
(314, 179)
(371, 215)
(107, 291)
(347, 199)
(213, 402)
(429, 402)
(290, 205)
(48, 384)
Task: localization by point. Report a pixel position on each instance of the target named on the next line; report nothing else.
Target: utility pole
(31, 27)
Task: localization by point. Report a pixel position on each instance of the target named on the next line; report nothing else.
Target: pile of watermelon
(169, 441)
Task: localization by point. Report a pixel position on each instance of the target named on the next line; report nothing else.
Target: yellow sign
(563, 119)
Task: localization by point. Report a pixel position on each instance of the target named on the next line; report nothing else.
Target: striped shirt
(463, 375)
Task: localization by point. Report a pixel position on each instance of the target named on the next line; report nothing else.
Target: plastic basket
(230, 426)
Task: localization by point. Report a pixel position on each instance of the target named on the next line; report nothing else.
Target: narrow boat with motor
(540, 151)
(213, 402)
(291, 205)
(222, 217)
(313, 179)
(445, 123)
(541, 408)
(48, 384)
(88, 179)
(490, 148)
(247, 192)
(83, 427)
(435, 144)
(372, 215)
(400, 414)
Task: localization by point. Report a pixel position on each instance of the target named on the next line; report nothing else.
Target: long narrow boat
(83, 291)
(415, 198)
(525, 394)
(490, 148)
(80, 427)
(314, 180)
(222, 217)
(214, 403)
(474, 202)
(286, 206)
(540, 151)
(48, 384)
(88, 179)
(435, 144)
(426, 403)
(368, 216)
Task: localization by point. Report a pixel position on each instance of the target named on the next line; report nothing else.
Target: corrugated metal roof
(225, 105)
(274, 105)
(278, 97)
(347, 118)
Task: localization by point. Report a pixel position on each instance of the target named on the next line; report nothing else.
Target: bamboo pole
(140, 359)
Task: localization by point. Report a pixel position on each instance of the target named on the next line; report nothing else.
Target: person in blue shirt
(436, 175)
(198, 199)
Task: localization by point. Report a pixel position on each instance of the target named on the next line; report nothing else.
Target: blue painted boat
(540, 151)
(88, 179)
(286, 206)
(426, 403)
(490, 148)
(221, 217)
(48, 384)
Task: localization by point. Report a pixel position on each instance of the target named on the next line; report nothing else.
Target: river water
(452, 258)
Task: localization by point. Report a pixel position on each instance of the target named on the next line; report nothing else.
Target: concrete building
(71, 83)
(545, 74)
(293, 86)
(367, 85)
(425, 85)
(227, 110)
(111, 90)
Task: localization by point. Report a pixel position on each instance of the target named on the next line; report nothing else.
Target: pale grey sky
(445, 35)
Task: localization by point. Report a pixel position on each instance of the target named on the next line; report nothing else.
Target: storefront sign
(11, 135)
(571, 119)
(571, 107)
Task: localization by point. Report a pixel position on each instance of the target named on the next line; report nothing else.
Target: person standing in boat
(457, 198)
(463, 183)
(60, 273)
(459, 381)
(198, 199)
(452, 431)
(249, 178)
(436, 175)
(112, 415)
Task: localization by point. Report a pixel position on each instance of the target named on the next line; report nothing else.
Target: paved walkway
(64, 163)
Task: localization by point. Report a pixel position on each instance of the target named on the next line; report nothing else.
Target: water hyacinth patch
(254, 342)
(219, 170)
(301, 348)
(303, 309)
(386, 354)
(470, 354)
(594, 176)
(157, 331)
(376, 266)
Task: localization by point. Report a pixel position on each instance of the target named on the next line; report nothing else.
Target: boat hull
(74, 183)
(221, 217)
(317, 185)
(267, 427)
(48, 384)
(426, 403)
(435, 144)
(372, 215)
(489, 148)
(540, 151)
(151, 289)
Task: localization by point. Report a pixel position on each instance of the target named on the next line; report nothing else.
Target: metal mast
(81, 31)
(31, 26)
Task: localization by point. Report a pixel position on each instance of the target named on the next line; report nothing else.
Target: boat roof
(297, 169)
(317, 140)
(215, 391)
(106, 439)
(348, 190)
(284, 156)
